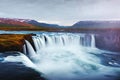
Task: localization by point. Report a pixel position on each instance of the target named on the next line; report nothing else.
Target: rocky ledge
(13, 42)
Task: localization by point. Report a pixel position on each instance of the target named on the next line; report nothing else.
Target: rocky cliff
(109, 40)
(13, 42)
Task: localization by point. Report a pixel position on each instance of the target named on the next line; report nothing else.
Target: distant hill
(8, 22)
(39, 24)
(97, 24)
(28, 24)
(24, 23)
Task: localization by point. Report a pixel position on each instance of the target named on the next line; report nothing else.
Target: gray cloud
(62, 11)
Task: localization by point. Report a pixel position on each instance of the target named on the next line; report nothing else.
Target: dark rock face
(108, 41)
(17, 70)
(12, 71)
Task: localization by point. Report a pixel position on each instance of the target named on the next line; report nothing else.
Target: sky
(62, 12)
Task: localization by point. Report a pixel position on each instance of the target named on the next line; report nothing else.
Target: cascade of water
(36, 44)
(24, 49)
(93, 41)
(44, 40)
(67, 56)
(31, 52)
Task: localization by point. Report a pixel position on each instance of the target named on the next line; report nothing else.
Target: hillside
(15, 22)
(97, 24)
(8, 22)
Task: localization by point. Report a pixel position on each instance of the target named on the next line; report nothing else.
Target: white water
(62, 39)
(67, 56)
(92, 41)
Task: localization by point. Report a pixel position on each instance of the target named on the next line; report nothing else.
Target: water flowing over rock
(68, 56)
(44, 40)
(28, 49)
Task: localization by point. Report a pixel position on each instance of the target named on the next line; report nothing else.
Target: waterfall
(24, 49)
(29, 49)
(92, 41)
(66, 41)
(45, 40)
(67, 56)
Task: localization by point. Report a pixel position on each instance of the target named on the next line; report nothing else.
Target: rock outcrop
(14, 42)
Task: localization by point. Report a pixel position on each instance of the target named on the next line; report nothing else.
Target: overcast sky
(63, 12)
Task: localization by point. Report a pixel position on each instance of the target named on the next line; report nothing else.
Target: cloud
(1, 13)
(62, 23)
(51, 22)
(62, 11)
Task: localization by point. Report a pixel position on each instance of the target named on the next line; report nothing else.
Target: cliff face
(13, 42)
(108, 41)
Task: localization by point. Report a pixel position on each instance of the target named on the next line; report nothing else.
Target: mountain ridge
(14, 22)
(97, 24)
(25, 22)
(29, 23)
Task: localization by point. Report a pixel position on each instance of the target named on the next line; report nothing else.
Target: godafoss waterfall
(68, 56)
